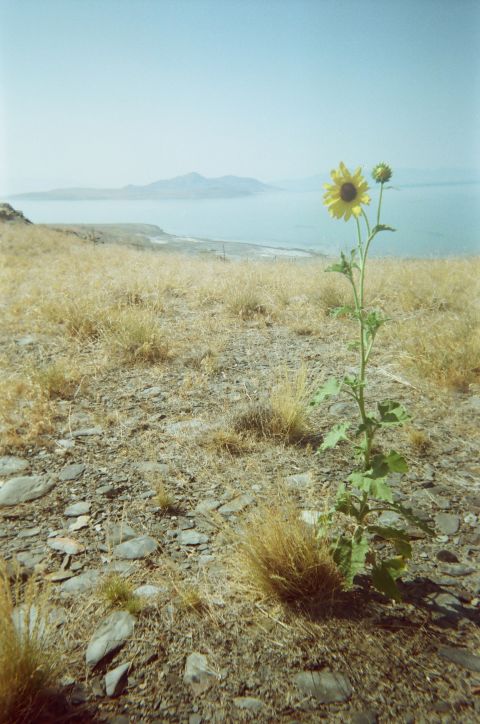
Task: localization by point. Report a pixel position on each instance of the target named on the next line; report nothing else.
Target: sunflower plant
(366, 491)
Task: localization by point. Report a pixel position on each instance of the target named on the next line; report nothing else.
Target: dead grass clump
(26, 414)
(28, 664)
(225, 440)
(135, 337)
(419, 440)
(118, 593)
(282, 557)
(163, 497)
(58, 380)
(445, 350)
(246, 301)
(190, 598)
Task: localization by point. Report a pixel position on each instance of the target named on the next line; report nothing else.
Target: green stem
(379, 203)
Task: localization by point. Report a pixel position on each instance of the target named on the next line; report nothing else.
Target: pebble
(116, 679)
(326, 686)
(87, 432)
(462, 657)
(81, 583)
(80, 508)
(149, 591)
(119, 533)
(66, 545)
(236, 505)
(24, 489)
(447, 523)
(311, 517)
(198, 674)
(206, 506)
(191, 538)
(136, 548)
(148, 467)
(447, 556)
(29, 532)
(152, 392)
(110, 636)
(249, 703)
(300, 481)
(72, 472)
(81, 522)
(9, 464)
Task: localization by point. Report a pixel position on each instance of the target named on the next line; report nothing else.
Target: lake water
(431, 221)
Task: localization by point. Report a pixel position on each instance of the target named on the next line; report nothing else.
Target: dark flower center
(348, 191)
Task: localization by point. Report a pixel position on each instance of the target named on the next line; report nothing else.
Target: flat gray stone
(191, 538)
(116, 679)
(29, 532)
(109, 636)
(198, 674)
(119, 533)
(249, 703)
(149, 591)
(87, 432)
(72, 472)
(152, 392)
(236, 505)
(462, 657)
(186, 427)
(24, 489)
(326, 686)
(81, 583)
(206, 506)
(447, 523)
(151, 467)
(311, 517)
(301, 481)
(80, 508)
(136, 548)
(9, 464)
(66, 545)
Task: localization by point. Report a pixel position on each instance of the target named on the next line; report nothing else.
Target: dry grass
(282, 557)
(419, 440)
(60, 379)
(28, 664)
(163, 497)
(225, 440)
(135, 336)
(118, 593)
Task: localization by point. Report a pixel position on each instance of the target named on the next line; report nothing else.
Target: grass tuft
(230, 441)
(118, 593)
(136, 338)
(28, 665)
(282, 558)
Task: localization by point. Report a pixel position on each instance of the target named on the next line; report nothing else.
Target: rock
(108, 490)
(119, 533)
(462, 657)
(81, 522)
(116, 679)
(81, 583)
(249, 703)
(198, 674)
(447, 556)
(236, 505)
(311, 517)
(326, 686)
(109, 636)
(38, 620)
(135, 548)
(390, 518)
(186, 427)
(456, 569)
(148, 468)
(206, 506)
(152, 392)
(191, 538)
(87, 432)
(9, 215)
(66, 545)
(24, 489)
(148, 591)
(29, 532)
(300, 481)
(447, 523)
(71, 472)
(9, 464)
(80, 508)
(62, 574)
(66, 444)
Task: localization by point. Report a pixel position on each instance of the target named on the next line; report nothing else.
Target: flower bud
(382, 173)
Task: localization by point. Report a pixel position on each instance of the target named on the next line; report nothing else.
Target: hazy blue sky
(109, 92)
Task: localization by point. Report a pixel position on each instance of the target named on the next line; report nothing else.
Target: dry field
(170, 394)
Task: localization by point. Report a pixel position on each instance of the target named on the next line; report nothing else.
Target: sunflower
(348, 191)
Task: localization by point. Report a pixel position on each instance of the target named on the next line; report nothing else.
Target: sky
(110, 92)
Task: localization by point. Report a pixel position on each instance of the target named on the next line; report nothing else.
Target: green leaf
(349, 555)
(380, 490)
(342, 267)
(399, 538)
(344, 311)
(344, 503)
(384, 582)
(409, 515)
(392, 413)
(331, 388)
(382, 227)
(353, 345)
(336, 434)
(396, 463)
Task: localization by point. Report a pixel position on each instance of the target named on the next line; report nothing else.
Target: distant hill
(190, 186)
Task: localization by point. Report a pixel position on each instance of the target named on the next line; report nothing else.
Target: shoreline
(152, 237)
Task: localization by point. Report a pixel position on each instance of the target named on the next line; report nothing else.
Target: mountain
(189, 186)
